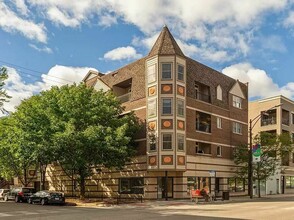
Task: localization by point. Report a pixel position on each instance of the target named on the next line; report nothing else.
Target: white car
(3, 192)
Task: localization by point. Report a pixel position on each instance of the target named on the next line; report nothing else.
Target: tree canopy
(76, 126)
(3, 94)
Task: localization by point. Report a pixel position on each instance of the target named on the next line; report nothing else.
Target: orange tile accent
(167, 160)
(181, 90)
(152, 125)
(181, 160)
(152, 160)
(181, 125)
(152, 91)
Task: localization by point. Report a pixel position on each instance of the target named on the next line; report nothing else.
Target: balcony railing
(203, 97)
(124, 98)
(268, 121)
(203, 127)
(285, 121)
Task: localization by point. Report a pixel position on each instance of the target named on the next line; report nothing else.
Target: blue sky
(58, 41)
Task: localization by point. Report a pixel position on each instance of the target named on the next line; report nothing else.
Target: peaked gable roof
(166, 45)
(237, 90)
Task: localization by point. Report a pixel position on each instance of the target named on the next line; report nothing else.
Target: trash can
(226, 195)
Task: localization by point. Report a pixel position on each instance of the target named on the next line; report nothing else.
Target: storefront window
(131, 185)
(236, 184)
(198, 183)
(289, 182)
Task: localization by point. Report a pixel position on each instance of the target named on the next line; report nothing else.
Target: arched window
(219, 92)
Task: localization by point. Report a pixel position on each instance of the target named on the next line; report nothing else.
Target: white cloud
(41, 49)
(227, 26)
(289, 21)
(21, 7)
(273, 43)
(19, 90)
(122, 53)
(261, 84)
(11, 22)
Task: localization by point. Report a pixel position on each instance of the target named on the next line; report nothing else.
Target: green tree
(90, 130)
(37, 132)
(274, 148)
(3, 95)
(16, 156)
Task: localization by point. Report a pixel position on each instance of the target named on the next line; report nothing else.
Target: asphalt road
(280, 209)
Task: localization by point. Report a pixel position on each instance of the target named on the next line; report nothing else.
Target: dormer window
(237, 102)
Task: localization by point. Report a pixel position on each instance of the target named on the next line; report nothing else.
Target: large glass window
(152, 108)
(203, 122)
(180, 72)
(219, 151)
(289, 182)
(181, 142)
(166, 71)
(198, 183)
(151, 74)
(237, 128)
(180, 107)
(166, 141)
(131, 186)
(237, 102)
(236, 184)
(166, 106)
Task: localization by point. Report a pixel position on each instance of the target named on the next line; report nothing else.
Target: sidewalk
(92, 203)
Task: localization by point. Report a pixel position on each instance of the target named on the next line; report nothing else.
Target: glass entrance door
(164, 188)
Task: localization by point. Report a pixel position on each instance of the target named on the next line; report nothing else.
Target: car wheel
(43, 202)
(5, 198)
(17, 199)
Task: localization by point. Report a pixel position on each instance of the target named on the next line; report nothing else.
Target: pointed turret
(166, 45)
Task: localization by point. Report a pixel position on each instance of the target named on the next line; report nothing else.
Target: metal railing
(268, 121)
(203, 97)
(285, 121)
(124, 98)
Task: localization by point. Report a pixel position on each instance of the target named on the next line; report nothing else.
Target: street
(277, 208)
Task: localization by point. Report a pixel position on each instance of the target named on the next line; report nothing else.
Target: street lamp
(250, 167)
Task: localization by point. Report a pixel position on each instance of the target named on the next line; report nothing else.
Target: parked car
(47, 197)
(19, 194)
(3, 193)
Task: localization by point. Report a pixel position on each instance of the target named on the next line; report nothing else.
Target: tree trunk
(258, 180)
(82, 187)
(43, 169)
(25, 177)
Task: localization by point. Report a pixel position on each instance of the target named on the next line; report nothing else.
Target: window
(202, 148)
(180, 72)
(237, 128)
(289, 182)
(292, 118)
(219, 93)
(219, 122)
(166, 141)
(237, 102)
(198, 183)
(180, 107)
(219, 151)
(151, 74)
(166, 71)
(181, 142)
(131, 186)
(166, 106)
(152, 108)
(203, 122)
(236, 184)
(292, 157)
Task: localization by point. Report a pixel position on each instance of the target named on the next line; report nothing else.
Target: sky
(56, 42)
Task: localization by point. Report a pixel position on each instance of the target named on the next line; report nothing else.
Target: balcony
(202, 92)
(203, 122)
(203, 148)
(124, 98)
(123, 90)
(285, 117)
(268, 121)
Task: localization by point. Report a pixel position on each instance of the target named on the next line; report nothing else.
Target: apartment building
(279, 119)
(194, 117)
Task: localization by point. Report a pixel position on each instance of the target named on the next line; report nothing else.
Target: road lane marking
(4, 215)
